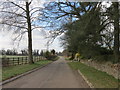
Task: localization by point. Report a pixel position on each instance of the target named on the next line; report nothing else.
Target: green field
(11, 56)
(17, 60)
(8, 72)
(14, 56)
(98, 78)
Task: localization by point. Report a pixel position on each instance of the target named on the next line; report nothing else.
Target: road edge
(89, 84)
(21, 75)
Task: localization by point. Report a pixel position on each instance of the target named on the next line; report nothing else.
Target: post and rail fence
(12, 61)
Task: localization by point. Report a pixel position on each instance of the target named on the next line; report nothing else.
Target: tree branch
(34, 12)
(14, 13)
(13, 25)
(18, 6)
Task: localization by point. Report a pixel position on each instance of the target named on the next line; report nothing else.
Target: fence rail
(12, 61)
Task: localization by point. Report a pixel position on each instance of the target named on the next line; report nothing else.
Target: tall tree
(29, 33)
(53, 52)
(116, 19)
(59, 13)
(20, 17)
(91, 25)
(113, 13)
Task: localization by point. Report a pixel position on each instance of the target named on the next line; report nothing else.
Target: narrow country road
(55, 75)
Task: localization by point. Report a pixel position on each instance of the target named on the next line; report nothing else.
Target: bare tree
(20, 17)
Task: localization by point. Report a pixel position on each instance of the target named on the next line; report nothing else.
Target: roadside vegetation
(90, 28)
(50, 55)
(98, 78)
(11, 56)
(9, 72)
(14, 70)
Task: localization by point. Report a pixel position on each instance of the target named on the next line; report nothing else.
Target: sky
(38, 37)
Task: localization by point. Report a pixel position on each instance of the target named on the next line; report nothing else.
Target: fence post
(13, 61)
(34, 58)
(40, 57)
(2, 62)
(18, 60)
(37, 59)
(22, 60)
(8, 61)
(26, 60)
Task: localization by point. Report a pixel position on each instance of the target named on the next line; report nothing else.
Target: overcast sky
(39, 40)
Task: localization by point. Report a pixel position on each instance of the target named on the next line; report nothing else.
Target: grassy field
(17, 60)
(99, 79)
(11, 56)
(8, 72)
(14, 56)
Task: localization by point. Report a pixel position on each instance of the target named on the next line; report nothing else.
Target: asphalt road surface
(55, 75)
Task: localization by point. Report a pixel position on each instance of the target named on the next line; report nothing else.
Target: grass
(98, 78)
(11, 56)
(56, 58)
(14, 56)
(67, 59)
(8, 72)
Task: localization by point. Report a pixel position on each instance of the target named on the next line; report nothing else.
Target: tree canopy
(90, 28)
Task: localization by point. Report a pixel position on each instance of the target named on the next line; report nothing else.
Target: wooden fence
(12, 61)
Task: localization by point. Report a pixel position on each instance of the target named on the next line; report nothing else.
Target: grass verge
(9, 72)
(98, 78)
(56, 58)
(67, 59)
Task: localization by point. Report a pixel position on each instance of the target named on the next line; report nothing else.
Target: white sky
(39, 40)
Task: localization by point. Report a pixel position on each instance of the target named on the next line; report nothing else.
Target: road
(55, 75)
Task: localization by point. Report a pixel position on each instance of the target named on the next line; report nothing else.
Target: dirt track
(55, 75)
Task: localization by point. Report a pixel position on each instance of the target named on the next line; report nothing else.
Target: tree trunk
(116, 31)
(30, 56)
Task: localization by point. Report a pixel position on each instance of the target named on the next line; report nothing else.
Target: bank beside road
(55, 75)
(12, 71)
(97, 78)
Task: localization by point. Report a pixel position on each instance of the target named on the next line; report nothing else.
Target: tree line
(22, 52)
(90, 28)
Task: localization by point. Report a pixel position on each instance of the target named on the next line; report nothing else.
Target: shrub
(50, 56)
